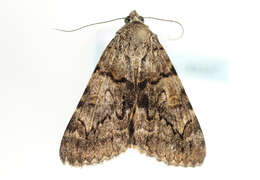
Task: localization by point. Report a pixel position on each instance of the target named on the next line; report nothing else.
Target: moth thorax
(142, 35)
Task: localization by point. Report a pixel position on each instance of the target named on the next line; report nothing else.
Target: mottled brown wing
(98, 129)
(164, 122)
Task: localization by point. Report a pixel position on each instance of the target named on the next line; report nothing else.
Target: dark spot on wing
(173, 70)
(189, 105)
(81, 103)
(87, 90)
(142, 84)
(183, 93)
(143, 101)
(129, 85)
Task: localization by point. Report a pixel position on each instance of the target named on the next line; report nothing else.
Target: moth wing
(165, 125)
(98, 129)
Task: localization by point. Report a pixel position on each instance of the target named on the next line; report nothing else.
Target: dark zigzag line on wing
(176, 131)
(164, 75)
(109, 74)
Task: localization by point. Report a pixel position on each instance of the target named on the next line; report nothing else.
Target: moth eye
(142, 18)
(127, 19)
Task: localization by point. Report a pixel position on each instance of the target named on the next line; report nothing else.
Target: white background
(43, 74)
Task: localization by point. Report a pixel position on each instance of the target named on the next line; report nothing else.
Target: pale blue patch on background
(198, 66)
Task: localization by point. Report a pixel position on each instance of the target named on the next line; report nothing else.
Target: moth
(134, 99)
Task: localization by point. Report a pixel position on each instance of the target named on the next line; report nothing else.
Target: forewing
(98, 129)
(165, 124)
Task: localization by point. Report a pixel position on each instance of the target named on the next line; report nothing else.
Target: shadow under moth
(134, 99)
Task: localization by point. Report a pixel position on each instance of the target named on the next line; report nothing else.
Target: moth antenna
(168, 20)
(88, 25)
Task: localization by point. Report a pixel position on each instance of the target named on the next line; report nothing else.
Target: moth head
(134, 17)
